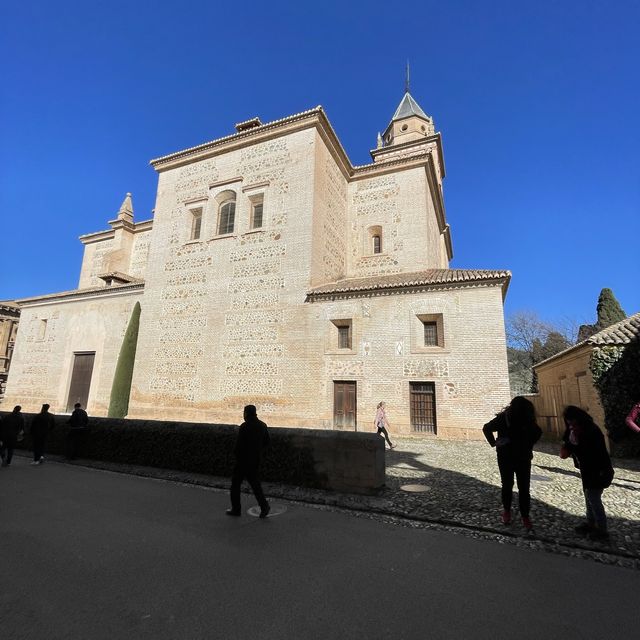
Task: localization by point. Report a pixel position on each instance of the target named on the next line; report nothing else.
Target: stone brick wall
(51, 333)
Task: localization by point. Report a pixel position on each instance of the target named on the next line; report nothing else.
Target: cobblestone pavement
(459, 490)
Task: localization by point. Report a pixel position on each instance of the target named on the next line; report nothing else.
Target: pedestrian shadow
(454, 497)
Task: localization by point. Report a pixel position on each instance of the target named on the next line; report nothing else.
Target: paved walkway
(462, 493)
(94, 555)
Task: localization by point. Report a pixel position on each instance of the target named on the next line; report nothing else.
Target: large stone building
(274, 271)
(9, 318)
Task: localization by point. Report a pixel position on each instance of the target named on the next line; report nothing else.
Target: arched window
(226, 212)
(377, 244)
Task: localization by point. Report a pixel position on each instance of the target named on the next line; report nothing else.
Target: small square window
(342, 335)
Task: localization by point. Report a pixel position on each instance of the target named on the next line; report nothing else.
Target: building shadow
(456, 498)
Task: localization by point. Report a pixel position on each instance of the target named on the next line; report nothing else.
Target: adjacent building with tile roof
(565, 378)
(275, 272)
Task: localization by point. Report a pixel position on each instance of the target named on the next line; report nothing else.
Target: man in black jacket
(10, 427)
(41, 424)
(78, 424)
(253, 437)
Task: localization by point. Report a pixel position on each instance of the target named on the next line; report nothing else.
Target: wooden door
(344, 405)
(80, 379)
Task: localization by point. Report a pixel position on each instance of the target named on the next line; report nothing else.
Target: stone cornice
(436, 137)
(83, 294)
(108, 234)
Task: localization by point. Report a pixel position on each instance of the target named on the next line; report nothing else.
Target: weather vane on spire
(406, 80)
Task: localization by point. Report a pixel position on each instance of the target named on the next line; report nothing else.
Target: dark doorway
(80, 379)
(423, 407)
(344, 405)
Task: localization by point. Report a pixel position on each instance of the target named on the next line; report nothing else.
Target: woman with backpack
(517, 433)
(584, 440)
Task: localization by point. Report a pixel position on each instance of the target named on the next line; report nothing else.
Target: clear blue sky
(538, 104)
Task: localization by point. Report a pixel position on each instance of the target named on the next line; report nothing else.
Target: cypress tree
(121, 387)
(609, 310)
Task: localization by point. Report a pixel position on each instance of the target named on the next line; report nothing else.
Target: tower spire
(406, 80)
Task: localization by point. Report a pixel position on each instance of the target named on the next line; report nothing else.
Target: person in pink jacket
(633, 419)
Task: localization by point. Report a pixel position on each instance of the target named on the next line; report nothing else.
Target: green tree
(121, 387)
(615, 374)
(609, 310)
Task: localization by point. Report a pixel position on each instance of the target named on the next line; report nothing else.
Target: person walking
(253, 438)
(10, 429)
(78, 425)
(41, 424)
(381, 423)
(584, 441)
(517, 433)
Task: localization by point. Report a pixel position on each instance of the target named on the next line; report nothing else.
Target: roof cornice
(430, 280)
(83, 294)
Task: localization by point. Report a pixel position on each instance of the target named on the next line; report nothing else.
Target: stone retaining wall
(332, 460)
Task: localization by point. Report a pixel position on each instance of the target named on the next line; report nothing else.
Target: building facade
(276, 272)
(566, 379)
(9, 318)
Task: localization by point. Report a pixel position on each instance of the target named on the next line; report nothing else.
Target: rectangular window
(344, 337)
(227, 217)
(42, 330)
(256, 213)
(423, 407)
(430, 334)
(196, 224)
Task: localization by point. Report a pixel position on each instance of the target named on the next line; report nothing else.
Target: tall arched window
(226, 212)
(377, 244)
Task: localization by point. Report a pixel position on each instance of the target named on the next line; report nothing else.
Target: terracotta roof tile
(433, 277)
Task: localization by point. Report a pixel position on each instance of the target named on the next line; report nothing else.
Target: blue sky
(538, 105)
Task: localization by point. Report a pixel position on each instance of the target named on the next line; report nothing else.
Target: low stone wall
(333, 460)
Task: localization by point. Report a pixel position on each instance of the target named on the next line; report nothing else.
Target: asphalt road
(87, 554)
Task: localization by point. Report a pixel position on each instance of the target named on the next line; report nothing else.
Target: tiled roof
(622, 332)
(617, 334)
(430, 277)
(408, 107)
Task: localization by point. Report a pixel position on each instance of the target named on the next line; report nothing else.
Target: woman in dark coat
(517, 433)
(584, 440)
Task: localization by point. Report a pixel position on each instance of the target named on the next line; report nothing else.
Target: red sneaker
(506, 517)
(526, 523)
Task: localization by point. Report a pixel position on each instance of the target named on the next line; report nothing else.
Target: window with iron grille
(344, 336)
(377, 244)
(430, 334)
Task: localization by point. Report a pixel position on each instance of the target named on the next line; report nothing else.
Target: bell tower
(409, 123)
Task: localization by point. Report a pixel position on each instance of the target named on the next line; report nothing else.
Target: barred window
(430, 334)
